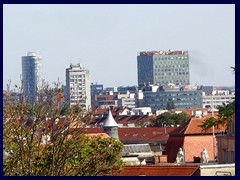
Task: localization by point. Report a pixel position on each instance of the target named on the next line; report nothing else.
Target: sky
(106, 39)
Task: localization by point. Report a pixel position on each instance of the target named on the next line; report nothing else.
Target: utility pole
(213, 131)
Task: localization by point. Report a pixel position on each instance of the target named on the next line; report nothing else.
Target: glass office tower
(31, 76)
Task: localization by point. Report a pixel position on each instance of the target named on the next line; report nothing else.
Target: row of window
(77, 80)
(171, 58)
(170, 66)
(188, 104)
(171, 62)
(172, 94)
(172, 80)
(171, 99)
(76, 76)
(171, 73)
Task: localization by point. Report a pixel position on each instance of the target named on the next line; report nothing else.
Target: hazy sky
(106, 38)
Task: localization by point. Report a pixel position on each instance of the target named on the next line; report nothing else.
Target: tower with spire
(110, 126)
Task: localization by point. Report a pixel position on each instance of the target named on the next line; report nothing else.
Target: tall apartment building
(31, 75)
(163, 67)
(78, 86)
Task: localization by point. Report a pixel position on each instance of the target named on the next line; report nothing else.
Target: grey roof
(137, 148)
(110, 122)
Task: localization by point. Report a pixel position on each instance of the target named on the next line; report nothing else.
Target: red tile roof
(148, 134)
(159, 170)
(192, 127)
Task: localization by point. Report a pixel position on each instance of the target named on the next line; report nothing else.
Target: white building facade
(217, 99)
(126, 99)
(78, 86)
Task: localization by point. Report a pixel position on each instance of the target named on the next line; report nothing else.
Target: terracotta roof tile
(138, 134)
(192, 127)
(160, 170)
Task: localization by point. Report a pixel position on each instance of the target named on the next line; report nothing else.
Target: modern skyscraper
(78, 86)
(163, 67)
(31, 75)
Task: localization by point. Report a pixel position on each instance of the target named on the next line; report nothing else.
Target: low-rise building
(180, 96)
(192, 139)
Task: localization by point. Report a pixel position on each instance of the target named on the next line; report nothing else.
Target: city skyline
(106, 39)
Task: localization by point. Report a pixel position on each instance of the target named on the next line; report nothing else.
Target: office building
(31, 76)
(181, 96)
(78, 86)
(95, 89)
(163, 67)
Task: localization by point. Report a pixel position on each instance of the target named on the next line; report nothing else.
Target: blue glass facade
(31, 75)
(181, 99)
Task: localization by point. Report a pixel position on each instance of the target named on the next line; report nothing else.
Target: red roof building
(192, 139)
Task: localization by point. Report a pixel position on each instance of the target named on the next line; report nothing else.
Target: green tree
(170, 105)
(37, 143)
(225, 116)
(169, 119)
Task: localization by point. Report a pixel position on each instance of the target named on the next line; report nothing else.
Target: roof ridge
(190, 121)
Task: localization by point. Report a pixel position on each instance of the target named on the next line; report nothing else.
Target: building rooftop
(149, 134)
(159, 170)
(168, 52)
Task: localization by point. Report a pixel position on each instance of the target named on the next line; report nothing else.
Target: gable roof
(192, 127)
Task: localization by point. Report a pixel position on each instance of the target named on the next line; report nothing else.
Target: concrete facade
(78, 86)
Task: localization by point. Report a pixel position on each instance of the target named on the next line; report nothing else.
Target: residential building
(31, 76)
(105, 101)
(154, 137)
(78, 90)
(163, 67)
(142, 111)
(126, 99)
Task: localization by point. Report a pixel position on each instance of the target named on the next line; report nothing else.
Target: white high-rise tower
(31, 75)
(78, 86)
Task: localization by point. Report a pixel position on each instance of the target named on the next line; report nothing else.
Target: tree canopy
(169, 119)
(39, 142)
(225, 116)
